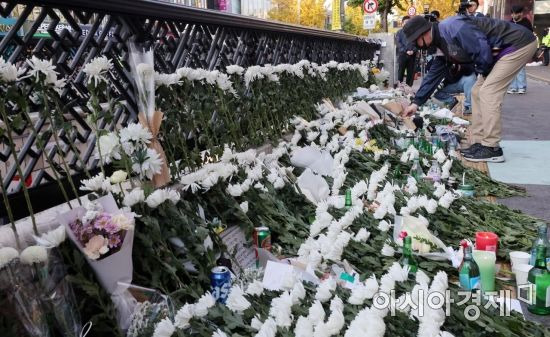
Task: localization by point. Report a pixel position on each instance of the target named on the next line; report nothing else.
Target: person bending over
(498, 50)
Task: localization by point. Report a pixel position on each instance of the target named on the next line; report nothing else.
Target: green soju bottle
(347, 205)
(416, 170)
(407, 259)
(539, 282)
(468, 273)
(542, 239)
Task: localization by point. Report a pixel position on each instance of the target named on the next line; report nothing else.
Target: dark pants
(546, 55)
(406, 63)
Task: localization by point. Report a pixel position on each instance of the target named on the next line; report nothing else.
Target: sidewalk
(526, 119)
(540, 73)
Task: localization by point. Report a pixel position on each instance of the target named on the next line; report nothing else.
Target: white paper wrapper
(113, 270)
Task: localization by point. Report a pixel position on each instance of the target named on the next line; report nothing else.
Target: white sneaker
(512, 91)
(521, 91)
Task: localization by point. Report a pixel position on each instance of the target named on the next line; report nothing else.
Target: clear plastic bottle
(435, 172)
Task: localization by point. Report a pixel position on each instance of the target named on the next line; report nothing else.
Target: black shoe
(467, 111)
(486, 153)
(470, 149)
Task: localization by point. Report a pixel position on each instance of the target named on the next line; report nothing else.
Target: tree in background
(445, 7)
(284, 11)
(385, 7)
(311, 13)
(354, 21)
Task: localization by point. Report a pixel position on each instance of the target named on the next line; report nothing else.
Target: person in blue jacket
(498, 50)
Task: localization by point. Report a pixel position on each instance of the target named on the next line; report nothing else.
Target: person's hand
(410, 52)
(410, 110)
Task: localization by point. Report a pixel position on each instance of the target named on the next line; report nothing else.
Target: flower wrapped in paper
(105, 235)
(142, 65)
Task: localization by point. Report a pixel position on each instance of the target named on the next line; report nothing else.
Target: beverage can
(220, 281)
(262, 239)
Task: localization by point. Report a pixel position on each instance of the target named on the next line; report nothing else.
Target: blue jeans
(464, 85)
(520, 81)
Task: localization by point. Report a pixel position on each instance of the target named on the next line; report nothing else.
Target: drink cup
(517, 258)
(521, 271)
(487, 268)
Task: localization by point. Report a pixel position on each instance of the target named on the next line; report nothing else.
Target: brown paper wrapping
(163, 178)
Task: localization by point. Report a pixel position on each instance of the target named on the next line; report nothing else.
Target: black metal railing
(71, 33)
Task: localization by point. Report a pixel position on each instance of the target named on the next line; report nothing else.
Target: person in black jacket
(473, 5)
(519, 84)
(406, 56)
(498, 50)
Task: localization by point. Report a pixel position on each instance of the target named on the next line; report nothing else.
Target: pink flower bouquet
(105, 235)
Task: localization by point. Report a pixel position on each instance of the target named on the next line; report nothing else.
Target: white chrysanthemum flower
(440, 282)
(446, 200)
(161, 195)
(268, 329)
(9, 72)
(256, 324)
(96, 184)
(387, 283)
(303, 328)
(34, 254)
(42, 66)
(219, 333)
(52, 238)
(7, 254)
(234, 69)
(281, 310)
(166, 79)
(236, 301)
(118, 177)
(325, 289)
(204, 303)
(133, 197)
(261, 187)
(316, 313)
(398, 273)
(387, 250)
(298, 292)
(132, 135)
(384, 226)
(184, 315)
(334, 324)
(150, 166)
(164, 328)
(431, 206)
(362, 235)
(235, 190)
(446, 169)
(440, 156)
(244, 206)
(367, 323)
(439, 190)
(255, 288)
(109, 146)
(97, 68)
(422, 278)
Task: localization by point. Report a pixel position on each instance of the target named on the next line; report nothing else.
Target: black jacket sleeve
(435, 75)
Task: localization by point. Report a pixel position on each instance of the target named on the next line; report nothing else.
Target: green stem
(18, 166)
(42, 148)
(8, 210)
